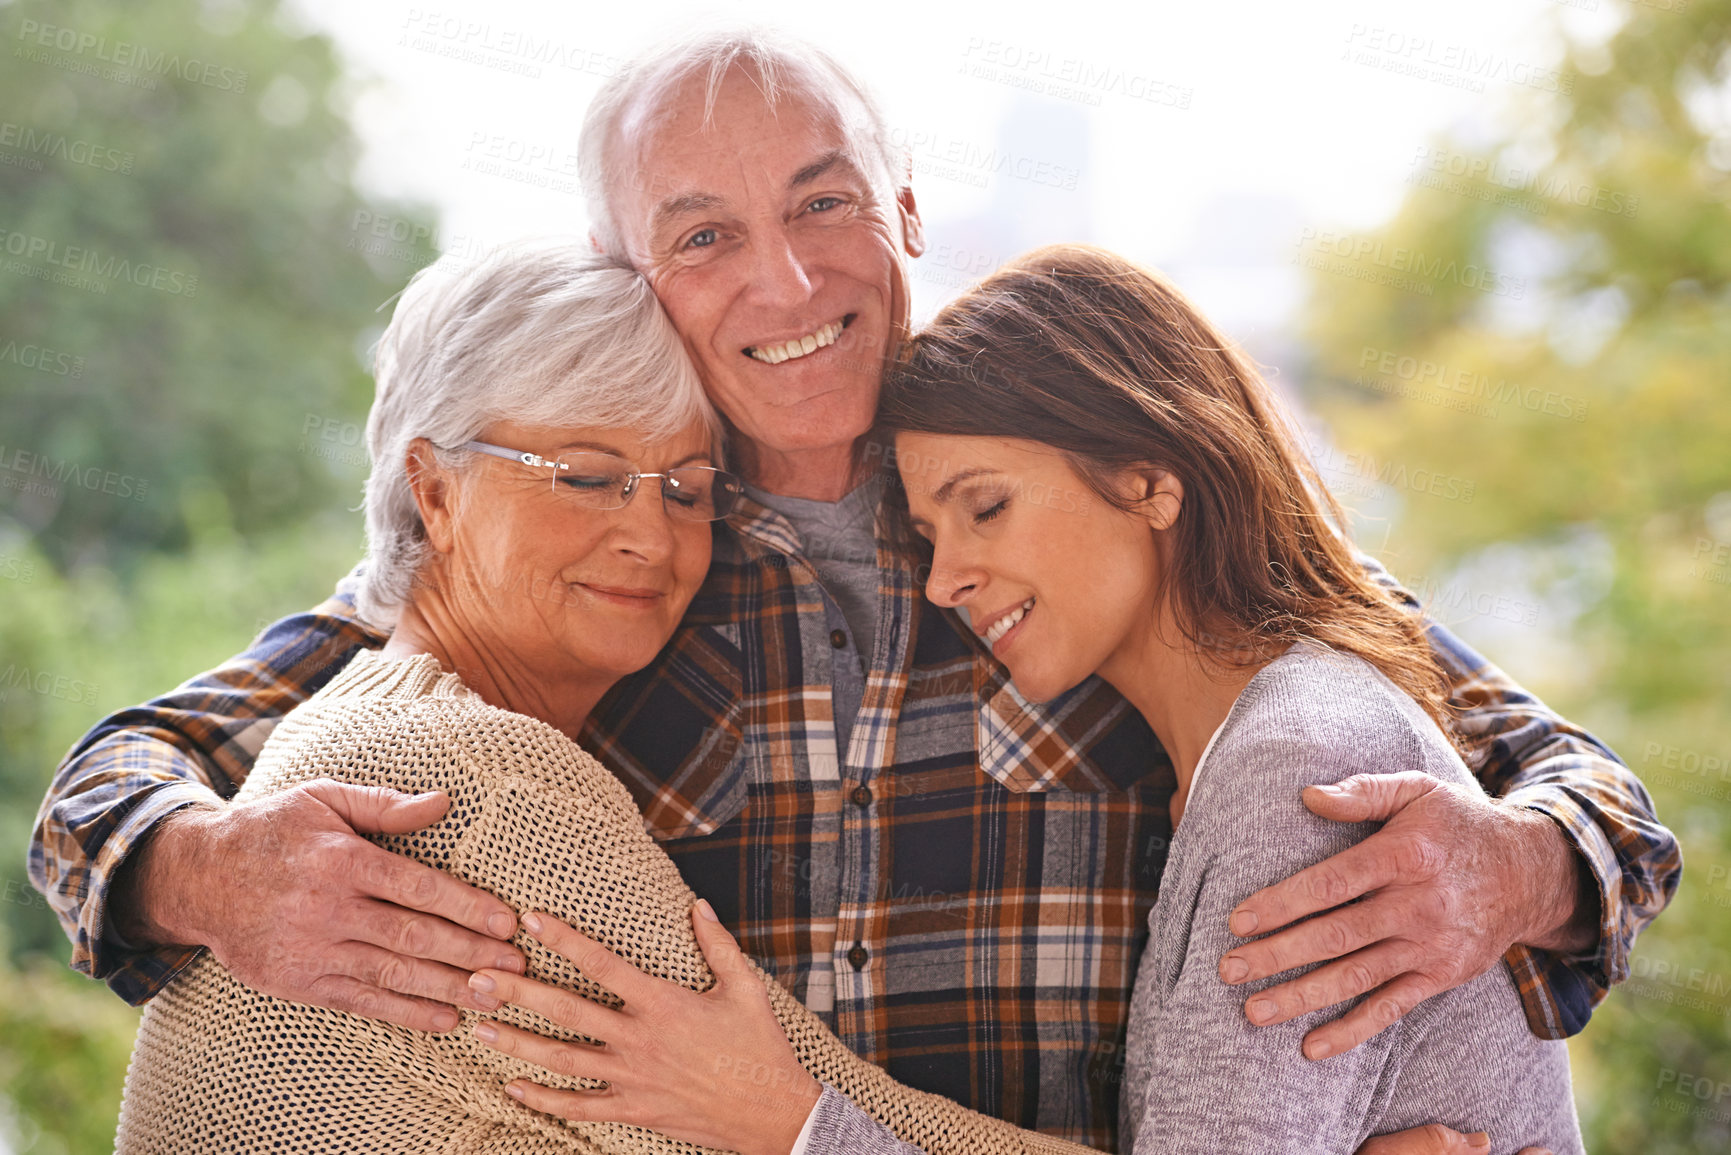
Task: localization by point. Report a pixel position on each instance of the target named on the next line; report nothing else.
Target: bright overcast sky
(1200, 136)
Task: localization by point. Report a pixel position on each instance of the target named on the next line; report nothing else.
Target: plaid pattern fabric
(962, 893)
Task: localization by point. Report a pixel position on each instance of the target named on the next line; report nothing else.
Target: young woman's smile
(1055, 580)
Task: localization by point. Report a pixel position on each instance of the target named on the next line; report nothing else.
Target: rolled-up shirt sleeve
(191, 747)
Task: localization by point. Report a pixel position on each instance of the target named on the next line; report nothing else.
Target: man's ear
(913, 230)
(1159, 495)
(434, 488)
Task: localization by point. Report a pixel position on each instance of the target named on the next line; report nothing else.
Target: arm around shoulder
(1616, 865)
(186, 750)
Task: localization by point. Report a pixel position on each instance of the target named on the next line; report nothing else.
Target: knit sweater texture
(534, 819)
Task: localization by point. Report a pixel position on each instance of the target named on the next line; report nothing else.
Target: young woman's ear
(1159, 495)
(434, 488)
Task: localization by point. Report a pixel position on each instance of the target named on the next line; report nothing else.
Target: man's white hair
(542, 332)
(777, 63)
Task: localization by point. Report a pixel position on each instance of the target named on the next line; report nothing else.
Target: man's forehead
(692, 125)
(685, 130)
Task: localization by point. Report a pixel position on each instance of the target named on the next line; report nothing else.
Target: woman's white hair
(777, 63)
(541, 333)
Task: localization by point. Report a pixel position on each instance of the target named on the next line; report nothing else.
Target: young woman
(1109, 488)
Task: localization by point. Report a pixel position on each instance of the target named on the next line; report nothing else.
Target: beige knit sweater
(534, 820)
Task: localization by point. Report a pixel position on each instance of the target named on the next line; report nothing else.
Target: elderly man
(955, 879)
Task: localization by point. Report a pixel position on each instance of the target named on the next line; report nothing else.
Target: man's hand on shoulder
(1432, 900)
(288, 896)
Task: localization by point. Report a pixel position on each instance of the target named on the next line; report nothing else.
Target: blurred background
(1484, 246)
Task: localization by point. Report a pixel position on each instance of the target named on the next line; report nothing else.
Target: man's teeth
(799, 346)
(1008, 623)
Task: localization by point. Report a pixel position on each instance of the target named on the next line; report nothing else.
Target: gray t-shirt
(1198, 1077)
(839, 538)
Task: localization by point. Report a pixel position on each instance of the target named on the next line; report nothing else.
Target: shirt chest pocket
(710, 791)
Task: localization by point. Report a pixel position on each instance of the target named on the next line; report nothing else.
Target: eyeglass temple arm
(512, 454)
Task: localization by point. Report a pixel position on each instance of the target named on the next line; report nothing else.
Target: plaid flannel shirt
(962, 894)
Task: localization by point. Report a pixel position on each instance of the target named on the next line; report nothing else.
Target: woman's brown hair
(1093, 355)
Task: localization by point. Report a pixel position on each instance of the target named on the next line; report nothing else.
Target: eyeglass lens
(603, 481)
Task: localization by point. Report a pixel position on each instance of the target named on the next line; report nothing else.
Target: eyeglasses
(605, 481)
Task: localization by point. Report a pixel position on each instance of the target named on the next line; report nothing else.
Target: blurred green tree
(182, 233)
(1562, 343)
(189, 281)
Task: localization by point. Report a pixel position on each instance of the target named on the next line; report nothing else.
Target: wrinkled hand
(711, 1068)
(1434, 1140)
(289, 897)
(1448, 885)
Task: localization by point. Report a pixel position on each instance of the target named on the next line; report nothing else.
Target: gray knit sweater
(1198, 1077)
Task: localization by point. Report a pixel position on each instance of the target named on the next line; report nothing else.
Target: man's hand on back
(1443, 890)
(289, 897)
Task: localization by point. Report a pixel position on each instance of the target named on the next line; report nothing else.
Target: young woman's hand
(711, 1068)
(1434, 1140)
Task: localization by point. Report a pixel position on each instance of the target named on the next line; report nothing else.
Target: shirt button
(857, 957)
(838, 639)
(862, 795)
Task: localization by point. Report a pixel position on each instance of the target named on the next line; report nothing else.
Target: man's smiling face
(777, 247)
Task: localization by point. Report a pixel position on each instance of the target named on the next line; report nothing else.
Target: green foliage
(61, 1044)
(187, 288)
(1587, 405)
(201, 208)
(96, 646)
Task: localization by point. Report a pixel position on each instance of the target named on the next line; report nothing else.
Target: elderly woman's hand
(711, 1068)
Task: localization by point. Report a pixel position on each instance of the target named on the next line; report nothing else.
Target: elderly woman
(539, 518)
